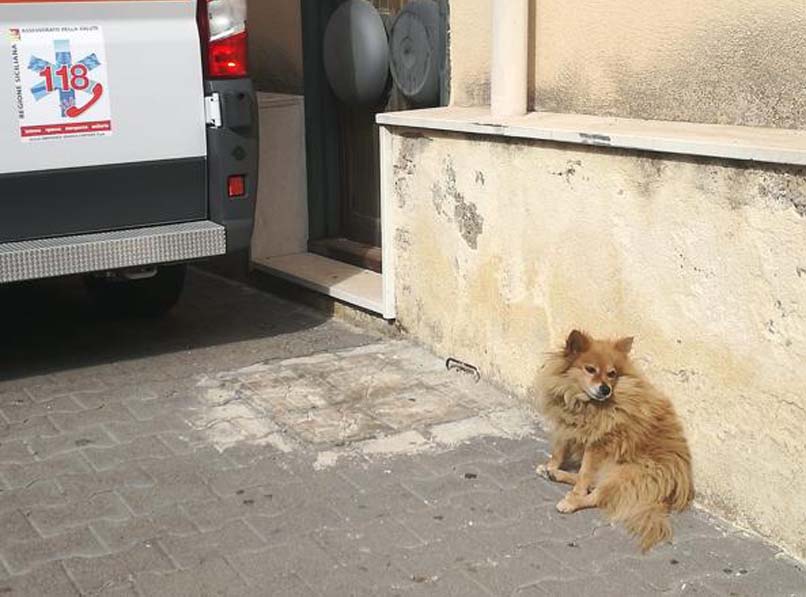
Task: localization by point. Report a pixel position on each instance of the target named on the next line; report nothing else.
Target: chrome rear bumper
(46, 258)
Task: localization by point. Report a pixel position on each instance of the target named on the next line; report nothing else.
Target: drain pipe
(508, 79)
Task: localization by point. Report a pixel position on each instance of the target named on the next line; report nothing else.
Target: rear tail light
(236, 186)
(222, 24)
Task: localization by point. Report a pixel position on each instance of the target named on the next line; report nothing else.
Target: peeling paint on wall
(448, 200)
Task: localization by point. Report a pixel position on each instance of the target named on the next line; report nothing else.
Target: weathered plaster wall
(502, 247)
(275, 45)
(727, 62)
(470, 47)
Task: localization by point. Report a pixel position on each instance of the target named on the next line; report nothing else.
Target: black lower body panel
(233, 151)
(102, 198)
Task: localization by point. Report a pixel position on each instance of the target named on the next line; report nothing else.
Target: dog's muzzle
(602, 393)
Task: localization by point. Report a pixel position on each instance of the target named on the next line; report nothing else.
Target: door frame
(322, 128)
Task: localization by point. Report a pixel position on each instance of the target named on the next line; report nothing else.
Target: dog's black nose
(604, 389)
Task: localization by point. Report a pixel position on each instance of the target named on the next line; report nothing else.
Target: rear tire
(147, 297)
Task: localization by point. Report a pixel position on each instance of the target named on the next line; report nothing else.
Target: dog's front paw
(543, 471)
(566, 506)
(547, 472)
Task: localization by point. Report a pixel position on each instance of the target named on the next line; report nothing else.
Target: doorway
(343, 145)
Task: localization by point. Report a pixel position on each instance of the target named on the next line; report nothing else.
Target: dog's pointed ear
(576, 343)
(624, 345)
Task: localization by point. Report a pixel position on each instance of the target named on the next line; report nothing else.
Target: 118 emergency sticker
(60, 81)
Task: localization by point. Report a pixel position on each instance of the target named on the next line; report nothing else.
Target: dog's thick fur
(635, 462)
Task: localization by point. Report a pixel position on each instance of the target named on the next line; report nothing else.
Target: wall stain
(476, 93)
(778, 187)
(465, 213)
(470, 222)
(404, 167)
(569, 171)
(650, 175)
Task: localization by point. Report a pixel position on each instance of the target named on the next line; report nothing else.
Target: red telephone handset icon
(75, 111)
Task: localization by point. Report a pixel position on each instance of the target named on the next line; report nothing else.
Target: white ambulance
(128, 142)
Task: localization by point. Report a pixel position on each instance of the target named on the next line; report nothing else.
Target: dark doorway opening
(343, 146)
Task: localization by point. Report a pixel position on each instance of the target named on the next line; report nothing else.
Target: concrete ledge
(778, 146)
(339, 280)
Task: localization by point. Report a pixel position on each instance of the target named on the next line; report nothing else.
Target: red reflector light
(228, 57)
(236, 186)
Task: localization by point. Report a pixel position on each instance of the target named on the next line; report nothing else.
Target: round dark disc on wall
(356, 53)
(415, 54)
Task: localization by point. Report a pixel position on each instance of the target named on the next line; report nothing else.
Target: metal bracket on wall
(454, 364)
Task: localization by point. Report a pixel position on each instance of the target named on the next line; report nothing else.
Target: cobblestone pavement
(247, 446)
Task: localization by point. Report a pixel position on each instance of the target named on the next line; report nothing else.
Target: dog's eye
(590, 369)
(612, 374)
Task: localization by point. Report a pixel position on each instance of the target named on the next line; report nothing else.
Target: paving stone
(510, 535)
(762, 578)
(47, 580)
(215, 577)
(125, 588)
(592, 552)
(104, 414)
(45, 447)
(669, 566)
(116, 392)
(100, 506)
(385, 502)
(371, 577)
(228, 482)
(455, 548)
(20, 555)
(302, 557)
(416, 406)
(291, 585)
(26, 429)
(481, 508)
(14, 526)
(613, 582)
(504, 573)
(267, 501)
(15, 452)
(93, 574)
(451, 584)
(330, 425)
(139, 449)
(20, 410)
(128, 431)
(43, 492)
(168, 489)
(63, 385)
(442, 489)
(18, 475)
(10, 396)
(193, 550)
(80, 487)
(380, 538)
(123, 534)
(293, 523)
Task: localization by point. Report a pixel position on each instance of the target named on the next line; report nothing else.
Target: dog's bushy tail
(650, 524)
(640, 498)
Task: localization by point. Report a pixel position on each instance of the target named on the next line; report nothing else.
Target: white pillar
(508, 79)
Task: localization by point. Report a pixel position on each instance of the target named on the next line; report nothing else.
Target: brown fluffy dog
(634, 461)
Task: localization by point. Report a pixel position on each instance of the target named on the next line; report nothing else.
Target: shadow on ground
(51, 325)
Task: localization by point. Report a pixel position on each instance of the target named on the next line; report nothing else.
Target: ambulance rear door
(102, 121)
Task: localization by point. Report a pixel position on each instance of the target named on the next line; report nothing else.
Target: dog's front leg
(551, 469)
(579, 498)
